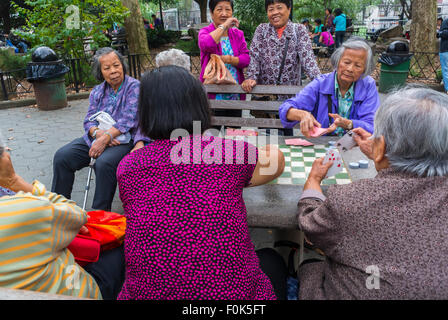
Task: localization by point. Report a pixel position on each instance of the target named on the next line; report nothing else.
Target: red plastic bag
(106, 231)
(85, 249)
(106, 227)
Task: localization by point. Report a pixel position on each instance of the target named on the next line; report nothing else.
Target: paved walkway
(34, 137)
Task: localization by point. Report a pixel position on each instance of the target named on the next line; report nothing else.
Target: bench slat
(246, 122)
(245, 105)
(259, 89)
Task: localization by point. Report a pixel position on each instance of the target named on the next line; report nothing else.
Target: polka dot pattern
(187, 235)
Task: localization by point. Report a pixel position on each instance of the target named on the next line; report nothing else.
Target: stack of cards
(298, 142)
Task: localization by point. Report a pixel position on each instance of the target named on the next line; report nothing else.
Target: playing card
(317, 132)
(338, 166)
(298, 142)
(346, 142)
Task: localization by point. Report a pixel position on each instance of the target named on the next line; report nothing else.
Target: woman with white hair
(344, 99)
(385, 238)
(171, 57)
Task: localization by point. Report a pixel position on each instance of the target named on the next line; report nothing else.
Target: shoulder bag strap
(330, 108)
(283, 61)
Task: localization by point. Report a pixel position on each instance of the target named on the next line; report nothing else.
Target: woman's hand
(234, 61)
(9, 179)
(317, 174)
(7, 174)
(307, 123)
(230, 23)
(248, 85)
(364, 141)
(137, 146)
(340, 121)
(99, 145)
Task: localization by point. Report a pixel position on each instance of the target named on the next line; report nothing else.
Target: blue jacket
(314, 98)
(340, 22)
(443, 34)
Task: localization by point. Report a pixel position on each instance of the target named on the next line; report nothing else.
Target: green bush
(11, 61)
(190, 46)
(439, 74)
(158, 37)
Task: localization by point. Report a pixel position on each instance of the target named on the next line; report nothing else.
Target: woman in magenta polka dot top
(187, 235)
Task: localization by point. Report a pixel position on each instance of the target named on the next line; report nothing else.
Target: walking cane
(89, 175)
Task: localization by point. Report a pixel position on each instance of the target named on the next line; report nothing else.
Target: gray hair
(414, 123)
(354, 43)
(173, 57)
(96, 65)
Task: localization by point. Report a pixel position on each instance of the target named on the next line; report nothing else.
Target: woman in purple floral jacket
(118, 96)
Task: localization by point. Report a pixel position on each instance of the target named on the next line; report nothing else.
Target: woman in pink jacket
(223, 38)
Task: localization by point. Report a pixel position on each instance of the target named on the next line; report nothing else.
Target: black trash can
(46, 73)
(395, 64)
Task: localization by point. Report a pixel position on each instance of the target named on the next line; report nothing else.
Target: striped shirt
(35, 230)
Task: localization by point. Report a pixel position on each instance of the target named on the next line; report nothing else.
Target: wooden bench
(270, 107)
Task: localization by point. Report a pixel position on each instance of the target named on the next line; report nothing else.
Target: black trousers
(75, 156)
(109, 272)
(339, 35)
(273, 265)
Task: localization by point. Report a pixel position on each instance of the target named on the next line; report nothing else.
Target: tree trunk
(4, 9)
(203, 6)
(135, 31)
(424, 25)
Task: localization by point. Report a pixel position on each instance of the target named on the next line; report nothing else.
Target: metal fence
(424, 67)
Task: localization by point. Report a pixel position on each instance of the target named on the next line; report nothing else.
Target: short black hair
(329, 10)
(171, 98)
(337, 12)
(324, 28)
(318, 21)
(267, 3)
(153, 15)
(213, 3)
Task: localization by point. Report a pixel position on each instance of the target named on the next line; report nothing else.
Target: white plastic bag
(105, 122)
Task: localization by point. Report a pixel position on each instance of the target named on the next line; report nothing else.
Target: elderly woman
(36, 228)
(117, 96)
(171, 57)
(344, 99)
(187, 235)
(224, 39)
(270, 43)
(385, 238)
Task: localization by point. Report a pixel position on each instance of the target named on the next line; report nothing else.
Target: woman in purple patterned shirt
(268, 47)
(187, 235)
(117, 95)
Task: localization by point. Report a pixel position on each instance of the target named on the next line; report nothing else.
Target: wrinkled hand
(98, 146)
(137, 146)
(248, 85)
(364, 141)
(227, 59)
(231, 22)
(114, 143)
(7, 174)
(339, 121)
(307, 123)
(319, 170)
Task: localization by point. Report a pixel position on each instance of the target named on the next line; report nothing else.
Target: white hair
(173, 57)
(414, 123)
(354, 43)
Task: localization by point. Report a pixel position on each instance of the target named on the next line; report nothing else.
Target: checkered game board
(298, 163)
